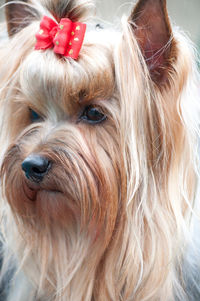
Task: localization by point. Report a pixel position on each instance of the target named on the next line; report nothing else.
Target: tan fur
(111, 220)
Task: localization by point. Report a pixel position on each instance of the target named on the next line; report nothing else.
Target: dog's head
(95, 150)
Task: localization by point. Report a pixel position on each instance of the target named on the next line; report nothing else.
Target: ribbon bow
(66, 38)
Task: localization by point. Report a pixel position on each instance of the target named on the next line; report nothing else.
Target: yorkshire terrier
(99, 155)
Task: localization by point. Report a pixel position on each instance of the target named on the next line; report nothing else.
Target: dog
(99, 155)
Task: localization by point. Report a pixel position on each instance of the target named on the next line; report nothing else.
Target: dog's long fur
(118, 225)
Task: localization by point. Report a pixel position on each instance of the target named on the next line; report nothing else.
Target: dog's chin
(51, 197)
(48, 204)
(38, 192)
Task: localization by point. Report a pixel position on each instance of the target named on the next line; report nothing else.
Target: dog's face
(88, 152)
(64, 165)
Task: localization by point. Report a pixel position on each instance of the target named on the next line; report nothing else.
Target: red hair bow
(66, 38)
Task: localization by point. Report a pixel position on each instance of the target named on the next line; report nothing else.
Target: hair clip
(66, 38)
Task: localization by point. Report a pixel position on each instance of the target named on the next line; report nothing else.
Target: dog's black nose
(36, 167)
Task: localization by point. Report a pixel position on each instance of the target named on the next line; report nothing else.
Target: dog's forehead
(46, 77)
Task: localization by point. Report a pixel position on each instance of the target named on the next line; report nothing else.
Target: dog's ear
(18, 15)
(150, 22)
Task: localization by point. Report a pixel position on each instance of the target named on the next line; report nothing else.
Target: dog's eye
(34, 117)
(92, 115)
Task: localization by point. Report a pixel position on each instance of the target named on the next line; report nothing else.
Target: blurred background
(184, 13)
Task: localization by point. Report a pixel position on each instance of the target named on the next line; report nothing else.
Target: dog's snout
(36, 167)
